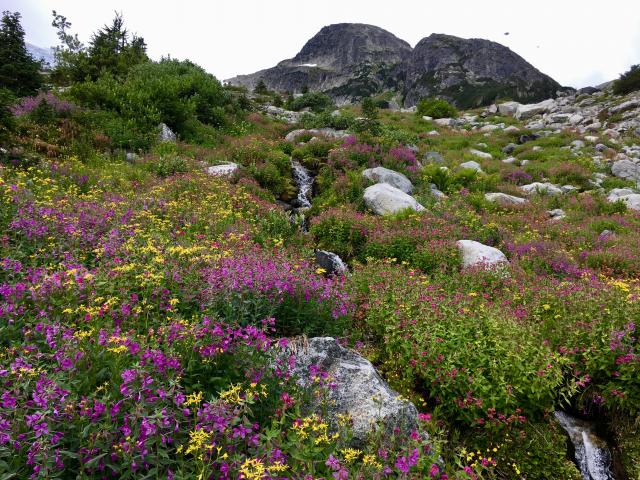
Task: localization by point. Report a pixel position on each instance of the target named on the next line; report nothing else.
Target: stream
(591, 452)
(304, 181)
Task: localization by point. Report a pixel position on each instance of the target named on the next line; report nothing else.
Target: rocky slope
(349, 61)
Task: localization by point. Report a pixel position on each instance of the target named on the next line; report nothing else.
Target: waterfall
(304, 181)
(591, 453)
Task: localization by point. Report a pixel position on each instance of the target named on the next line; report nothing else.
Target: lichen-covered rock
(393, 178)
(359, 390)
(384, 199)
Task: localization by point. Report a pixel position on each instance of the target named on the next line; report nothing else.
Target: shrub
(436, 108)
(628, 81)
(315, 101)
(19, 72)
(180, 94)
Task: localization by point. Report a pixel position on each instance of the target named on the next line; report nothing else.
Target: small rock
(508, 108)
(130, 157)
(556, 214)
(626, 169)
(576, 119)
(511, 129)
(433, 157)
(331, 262)
(489, 128)
(577, 144)
(472, 166)
(439, 195)
(166, 135)
(528, 138)
(433, 133)
(481, 154)
(524, 112)
(509, 160)
(591, 138)
(508, 149)
(445, 122)
(601, 147)
(477, 254)
(611, 133)
(623, 107)
(427, 118)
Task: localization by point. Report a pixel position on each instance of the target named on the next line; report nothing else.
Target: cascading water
(304, 181)
(591, 453)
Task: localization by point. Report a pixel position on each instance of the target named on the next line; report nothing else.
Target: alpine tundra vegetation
(245, 281)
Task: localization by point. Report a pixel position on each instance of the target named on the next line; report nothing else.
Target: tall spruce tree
(19, 72)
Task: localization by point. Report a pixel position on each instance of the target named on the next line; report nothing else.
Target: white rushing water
(591, 452)
(304, 181)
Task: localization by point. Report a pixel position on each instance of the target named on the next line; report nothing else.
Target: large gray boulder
(223, 170)
(359, 390)
(504, 199)
(626, 169)
(393, 178)
(508, 108)
(541, 188)
(476, 254)
(524, 112)
(331, 262)
(471, 165)
(384, 199)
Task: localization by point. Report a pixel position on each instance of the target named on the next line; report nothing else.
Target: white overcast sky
(577, 42)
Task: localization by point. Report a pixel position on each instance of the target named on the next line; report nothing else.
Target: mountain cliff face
(345, 60)
(349, 61)
(472, 72)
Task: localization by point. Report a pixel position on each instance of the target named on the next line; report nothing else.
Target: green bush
(628, 81)
(180, 94)
(436, 108)
(6, 117)
(315, 101)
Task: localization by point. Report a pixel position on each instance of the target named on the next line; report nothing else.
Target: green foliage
(315, 101)
(180, 94)
(261, 88)
(7, 122)
(342, 121)
(19, 72)
(628, 81)
(436, 108)
(111, 51)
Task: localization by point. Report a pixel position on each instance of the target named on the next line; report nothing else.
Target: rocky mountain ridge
(350, 61)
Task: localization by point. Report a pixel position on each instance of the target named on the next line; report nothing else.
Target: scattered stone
(576, 119)
(601, 147)
(609, 132)
(224, 169)
(536, 148)
(433, 133)
(623, 107)
(331, 262)
(445, 122)
(541, 188)
(556, 214)
(587, 91)
(509, 148)
(626, 169)
(508, 108)
(286, 115)
(591, 138)
(504, 199)
(439, 195)
(166, 135)
(481, 154)
(568, 188)
(427, 118)
(511, 129)
(360, 392)
(524, 162)
(433, 157)
(632, 201)
(472, 166)
(489, 128)
(325, 132)
(577, 144)
(528, 138)
(384, 175)
(616, 193)
(524, 112)
(130, 157)
(384, 199)
(509, 160)
(477, 254)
